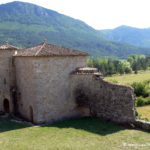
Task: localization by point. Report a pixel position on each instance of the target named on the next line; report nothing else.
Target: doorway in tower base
(6, 105)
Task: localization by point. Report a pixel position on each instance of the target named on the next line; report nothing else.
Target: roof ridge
(40, 49)
(45, 49)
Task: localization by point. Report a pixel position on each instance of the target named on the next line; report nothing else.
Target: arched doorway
(31, 113)
(6, 105)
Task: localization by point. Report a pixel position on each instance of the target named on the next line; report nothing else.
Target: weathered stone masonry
(104, 99)
(44, 84)
(7, 77)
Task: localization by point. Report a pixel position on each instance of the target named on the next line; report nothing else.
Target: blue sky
(101, 14)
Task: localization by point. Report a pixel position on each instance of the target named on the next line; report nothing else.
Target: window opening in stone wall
(6, 105)
(31, 113)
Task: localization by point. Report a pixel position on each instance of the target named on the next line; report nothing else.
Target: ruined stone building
(46, 83)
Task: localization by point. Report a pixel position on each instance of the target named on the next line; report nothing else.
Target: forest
(110, 66)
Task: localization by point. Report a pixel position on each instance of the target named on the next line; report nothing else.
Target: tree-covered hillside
(24, 24)
(130, 35)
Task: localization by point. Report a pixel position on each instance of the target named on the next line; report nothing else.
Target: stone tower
(7, 77)
(43, 82)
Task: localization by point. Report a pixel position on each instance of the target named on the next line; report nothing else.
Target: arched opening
(31, 113)
(6, 105)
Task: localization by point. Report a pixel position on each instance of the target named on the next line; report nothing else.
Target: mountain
(24, 24)
(131, 35)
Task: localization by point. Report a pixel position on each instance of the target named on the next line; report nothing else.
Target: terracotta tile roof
(6, 46)
(45, 49)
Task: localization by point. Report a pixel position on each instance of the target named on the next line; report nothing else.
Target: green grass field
(130, 78)
(75, 134)
(144, 111)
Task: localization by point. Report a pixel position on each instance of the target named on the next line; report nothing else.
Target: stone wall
(7, 78)
(52, 88)
(142, 124)
(44, 84)
(104, 99)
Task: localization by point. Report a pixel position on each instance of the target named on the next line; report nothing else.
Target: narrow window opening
(31, 113)
(6, 105)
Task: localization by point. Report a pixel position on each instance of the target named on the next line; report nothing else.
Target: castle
(46, 83)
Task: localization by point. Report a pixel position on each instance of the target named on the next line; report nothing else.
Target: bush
(140, 89)
(147, 100)
(140, 101)
(128, 70)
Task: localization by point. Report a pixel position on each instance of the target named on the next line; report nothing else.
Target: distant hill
(25, 24)
(131, 35)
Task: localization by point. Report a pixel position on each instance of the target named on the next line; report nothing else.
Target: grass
(75, 134)
(130, 78)
(144, 112)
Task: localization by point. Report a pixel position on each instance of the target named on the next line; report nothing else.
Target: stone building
(7, 77)
(46, 83)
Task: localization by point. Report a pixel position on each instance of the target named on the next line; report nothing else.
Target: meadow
(129, 78)
(144, 112)
(74, 134)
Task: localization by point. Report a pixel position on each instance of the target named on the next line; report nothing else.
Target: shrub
(140, 101)
(147, 100)
(128, 70)
(140, 89)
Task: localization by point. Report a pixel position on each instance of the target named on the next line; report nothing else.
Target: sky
(101, 14)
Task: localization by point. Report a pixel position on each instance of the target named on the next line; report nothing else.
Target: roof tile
(45, 49)
(6, 46)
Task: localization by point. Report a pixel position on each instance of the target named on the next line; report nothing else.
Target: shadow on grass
(6, 125)
(93, 125)
(88, 124)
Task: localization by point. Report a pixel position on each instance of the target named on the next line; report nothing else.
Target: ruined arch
(6, 105)
(31, 113)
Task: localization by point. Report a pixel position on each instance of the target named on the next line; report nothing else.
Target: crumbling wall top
(88, 70)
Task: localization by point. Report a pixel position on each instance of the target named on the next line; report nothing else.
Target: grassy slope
(76, 134)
